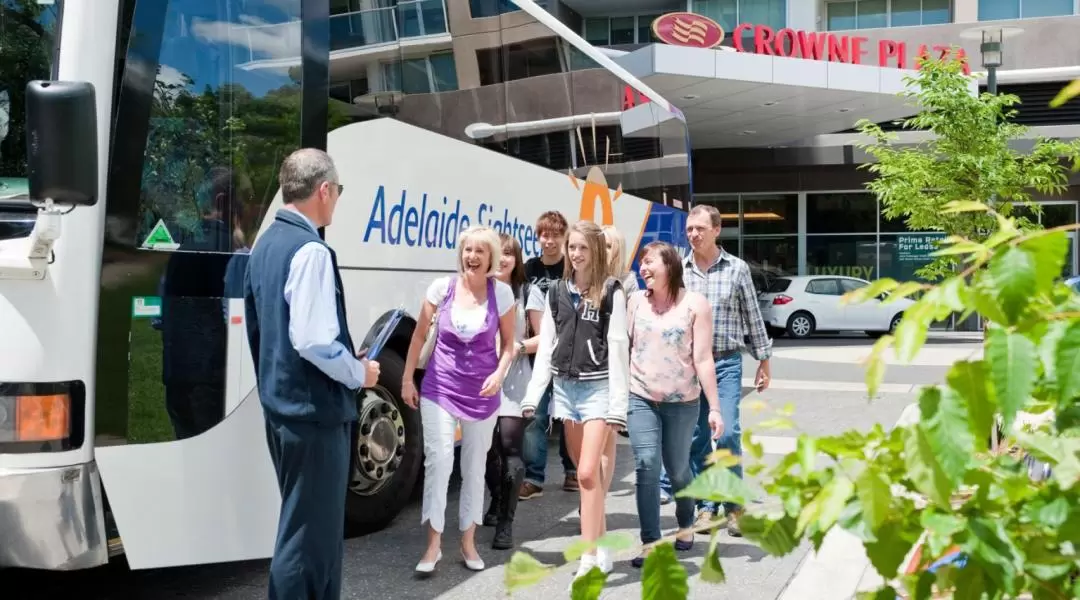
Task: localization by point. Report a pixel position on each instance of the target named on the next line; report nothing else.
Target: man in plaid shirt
(725, 281)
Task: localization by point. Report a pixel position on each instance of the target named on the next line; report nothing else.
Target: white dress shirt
(311, 292)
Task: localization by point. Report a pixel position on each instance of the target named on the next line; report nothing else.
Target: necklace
(660, 306)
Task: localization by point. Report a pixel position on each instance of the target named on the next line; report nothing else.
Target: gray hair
(303, 172)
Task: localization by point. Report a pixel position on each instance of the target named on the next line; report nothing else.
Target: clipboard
(387, 330)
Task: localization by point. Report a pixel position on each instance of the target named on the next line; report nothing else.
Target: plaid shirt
(730, 290)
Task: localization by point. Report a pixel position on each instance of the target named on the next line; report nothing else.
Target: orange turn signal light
(42, 418)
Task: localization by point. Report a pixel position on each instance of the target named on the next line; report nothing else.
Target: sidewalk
(841, 568)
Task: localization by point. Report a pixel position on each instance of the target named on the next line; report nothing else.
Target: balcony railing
(409, 19)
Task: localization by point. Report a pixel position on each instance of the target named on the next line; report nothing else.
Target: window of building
(871, 14)
(491, 8)
(611, 31)
(430, 74)
(762, 229)
(990, 10)
(729, 13)
(842, 255)
(841, 213)
(519, 61)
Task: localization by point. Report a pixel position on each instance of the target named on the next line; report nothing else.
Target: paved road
(820, 377)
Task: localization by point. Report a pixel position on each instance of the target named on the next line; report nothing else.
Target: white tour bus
(139, 147)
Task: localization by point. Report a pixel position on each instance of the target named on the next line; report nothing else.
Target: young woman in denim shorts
(584, 346)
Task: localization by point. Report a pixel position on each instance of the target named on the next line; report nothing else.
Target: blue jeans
(660, 434)
(729, 385)
(536, 444)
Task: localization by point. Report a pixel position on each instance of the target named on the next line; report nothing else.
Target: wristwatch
(521, 347)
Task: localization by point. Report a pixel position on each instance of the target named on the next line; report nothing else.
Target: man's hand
(761, 382)
(716, 424)
(371, 368)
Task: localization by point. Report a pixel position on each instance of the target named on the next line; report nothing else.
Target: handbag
(429, 343)
(433, 330)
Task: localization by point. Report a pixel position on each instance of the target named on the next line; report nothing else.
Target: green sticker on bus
(145, 307)
(160, 238)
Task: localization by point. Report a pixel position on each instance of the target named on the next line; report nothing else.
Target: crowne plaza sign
(698, 31)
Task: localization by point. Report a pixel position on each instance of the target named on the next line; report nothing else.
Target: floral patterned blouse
(662, 351)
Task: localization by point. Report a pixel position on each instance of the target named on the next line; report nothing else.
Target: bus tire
(385, 465)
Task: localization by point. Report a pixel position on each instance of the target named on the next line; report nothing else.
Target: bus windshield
(29, 50)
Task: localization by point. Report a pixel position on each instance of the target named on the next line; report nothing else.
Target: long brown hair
(511, 246)
(598, 260)
(670, 257)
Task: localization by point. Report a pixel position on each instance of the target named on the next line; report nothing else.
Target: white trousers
(439, 428)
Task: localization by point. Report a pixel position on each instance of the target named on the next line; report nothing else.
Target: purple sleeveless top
(458, 367)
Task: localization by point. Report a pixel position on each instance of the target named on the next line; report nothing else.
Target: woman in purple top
(461, 385)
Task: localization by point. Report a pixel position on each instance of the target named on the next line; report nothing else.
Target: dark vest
(581, 350)
(290, 387)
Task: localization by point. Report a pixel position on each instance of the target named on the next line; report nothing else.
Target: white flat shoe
(428, 567)
(473, 565)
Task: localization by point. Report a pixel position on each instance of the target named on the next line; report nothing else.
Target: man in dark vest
(307, 376)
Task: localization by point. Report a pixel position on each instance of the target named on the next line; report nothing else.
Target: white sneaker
(588, 561)
(605, 560)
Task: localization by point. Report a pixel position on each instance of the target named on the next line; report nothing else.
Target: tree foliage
(969, 156)
(25, 55)
(937, 488)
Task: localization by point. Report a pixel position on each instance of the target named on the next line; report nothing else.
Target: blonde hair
(598, 263)
(617, 266)
(483, 235)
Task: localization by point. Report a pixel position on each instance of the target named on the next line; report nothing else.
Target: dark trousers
(312, 466)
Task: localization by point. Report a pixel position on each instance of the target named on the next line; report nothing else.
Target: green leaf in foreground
(944, 418)
(711, 570)
(969, 379)
(1013, 361)
(1067, 362)
(875, 496)
(875, 365)
(662, 577)
(826, 507)
(1012, 273)
(777, 537)
(923, 467)
(718, 484)
(894, 541)
(588, 586)
(524, 571)
(1067, 93)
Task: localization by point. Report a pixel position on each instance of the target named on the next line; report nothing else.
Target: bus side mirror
(61, 142)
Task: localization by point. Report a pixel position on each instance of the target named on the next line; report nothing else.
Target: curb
(840, 568)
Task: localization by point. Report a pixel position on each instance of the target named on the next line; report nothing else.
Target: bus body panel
(214, 498)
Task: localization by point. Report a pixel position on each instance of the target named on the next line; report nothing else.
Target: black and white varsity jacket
(584, 343)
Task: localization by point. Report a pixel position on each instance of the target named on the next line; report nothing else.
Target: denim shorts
(579, 401)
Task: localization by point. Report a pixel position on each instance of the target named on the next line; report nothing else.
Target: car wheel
(388, 451)
(800, 325)
(895, 322)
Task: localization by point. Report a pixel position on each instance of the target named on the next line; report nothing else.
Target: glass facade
(829, 233)
(990, 10)
(729, 13)
(870, 14)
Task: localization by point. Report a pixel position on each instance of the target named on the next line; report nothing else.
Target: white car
(802, 305)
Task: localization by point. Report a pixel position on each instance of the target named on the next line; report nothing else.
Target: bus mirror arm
(29, 258)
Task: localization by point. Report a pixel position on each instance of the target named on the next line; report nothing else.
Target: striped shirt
(730, 290)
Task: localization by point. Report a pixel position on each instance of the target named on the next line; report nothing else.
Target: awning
(737, 99)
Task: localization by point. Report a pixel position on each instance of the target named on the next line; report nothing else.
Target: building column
(803, 269)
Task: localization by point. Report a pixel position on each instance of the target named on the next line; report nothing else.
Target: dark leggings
(504, 459)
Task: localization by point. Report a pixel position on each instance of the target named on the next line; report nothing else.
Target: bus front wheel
(387, 452)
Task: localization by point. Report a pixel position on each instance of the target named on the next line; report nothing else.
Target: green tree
(26, 45)
(935, 483)
(967, 158)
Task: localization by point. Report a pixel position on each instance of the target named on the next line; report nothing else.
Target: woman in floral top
(671, 366)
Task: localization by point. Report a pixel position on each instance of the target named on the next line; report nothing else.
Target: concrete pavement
(820, 377)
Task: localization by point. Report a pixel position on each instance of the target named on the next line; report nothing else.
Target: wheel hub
(380, 442)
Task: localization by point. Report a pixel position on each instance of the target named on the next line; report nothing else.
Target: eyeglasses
(340, 188)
